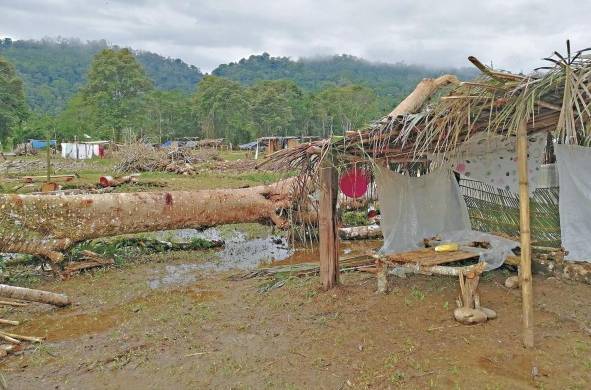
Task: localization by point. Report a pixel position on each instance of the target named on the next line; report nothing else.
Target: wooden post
(329, 245)
(272, 146)
(48, 160)
(525, 266)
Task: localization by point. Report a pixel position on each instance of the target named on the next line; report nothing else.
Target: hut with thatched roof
(435, 128)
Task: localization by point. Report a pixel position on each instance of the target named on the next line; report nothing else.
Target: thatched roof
(553, 99)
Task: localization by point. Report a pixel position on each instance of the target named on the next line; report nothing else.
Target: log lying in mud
(360, 232)
(46, 225)
(29, 294)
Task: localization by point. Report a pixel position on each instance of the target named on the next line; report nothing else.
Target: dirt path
(215, 333)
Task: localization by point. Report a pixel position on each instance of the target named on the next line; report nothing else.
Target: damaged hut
(470, 163)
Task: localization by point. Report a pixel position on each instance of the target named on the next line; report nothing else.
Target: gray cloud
(513, 34)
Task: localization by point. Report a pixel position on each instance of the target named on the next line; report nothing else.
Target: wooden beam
(524, 229)
(329, 244)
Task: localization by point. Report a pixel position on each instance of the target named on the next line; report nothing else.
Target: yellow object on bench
(452, 247)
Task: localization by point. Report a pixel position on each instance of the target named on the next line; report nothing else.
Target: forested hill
(54, 69)
(391, 80)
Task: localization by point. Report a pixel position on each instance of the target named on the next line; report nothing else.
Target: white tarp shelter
(574, 176)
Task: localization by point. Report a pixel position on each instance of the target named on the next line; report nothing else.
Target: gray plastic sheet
(495, 256)
(574, 176)
(413, 208)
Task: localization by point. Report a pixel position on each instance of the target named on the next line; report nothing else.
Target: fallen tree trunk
(45, 225)
(423, 91)
(29, 294)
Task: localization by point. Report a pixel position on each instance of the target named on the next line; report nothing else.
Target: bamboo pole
(329, 245)
(524, 229)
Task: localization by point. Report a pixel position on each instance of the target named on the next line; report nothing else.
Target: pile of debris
(144, 158)
(24, 149)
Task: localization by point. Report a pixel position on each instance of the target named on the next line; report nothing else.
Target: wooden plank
(527, 299)
(428, 257)
(328, 240)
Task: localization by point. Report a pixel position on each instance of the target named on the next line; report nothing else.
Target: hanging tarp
(574, 176)
(41, 144)
(492, 159)
(80, 151)
(414, 208)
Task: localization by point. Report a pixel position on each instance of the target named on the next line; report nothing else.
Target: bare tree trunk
(46, 224)
(423, 91)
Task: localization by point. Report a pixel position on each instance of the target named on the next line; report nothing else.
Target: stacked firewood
(144, 158)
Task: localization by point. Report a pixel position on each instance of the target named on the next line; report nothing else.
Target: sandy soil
(203, 331)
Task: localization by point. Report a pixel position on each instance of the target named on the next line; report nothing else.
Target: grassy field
(89, 172)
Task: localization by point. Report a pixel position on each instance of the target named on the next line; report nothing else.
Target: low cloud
(512, 34)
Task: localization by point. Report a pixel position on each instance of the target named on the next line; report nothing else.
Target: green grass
(355, 218)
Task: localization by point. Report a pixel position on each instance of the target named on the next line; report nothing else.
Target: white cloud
(514, 34)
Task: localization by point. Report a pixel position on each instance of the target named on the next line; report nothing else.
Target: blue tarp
(41, 144)
(166, 144)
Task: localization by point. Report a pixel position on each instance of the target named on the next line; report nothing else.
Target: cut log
(109, 181)
(46, 225)
(423, 91)
(29, 294)
(360, 232)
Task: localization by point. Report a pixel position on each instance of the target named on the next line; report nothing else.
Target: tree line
(119, 100)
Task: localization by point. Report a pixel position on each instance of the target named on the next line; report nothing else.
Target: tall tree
(169, 115)
(222, 108)
(116, 87)
(275, 106)
(13, 107)
(345, 108)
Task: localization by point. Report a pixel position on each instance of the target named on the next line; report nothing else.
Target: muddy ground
(175, 321)
(140, 326)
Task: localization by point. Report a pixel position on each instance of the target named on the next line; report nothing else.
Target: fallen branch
(9, 339)
(8, 322)
(29, 294)
(32, 339)
(9, 303)
(92, 260)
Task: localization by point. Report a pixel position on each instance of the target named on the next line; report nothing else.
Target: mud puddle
(241, 253)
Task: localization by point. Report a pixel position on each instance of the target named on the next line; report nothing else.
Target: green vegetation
(76, 89)
(354, 218)
(124, 248)
(115, 91)
(13, 108)
(55, 69)
(390, 80)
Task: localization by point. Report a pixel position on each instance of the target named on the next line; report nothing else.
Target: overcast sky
(513, 34)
